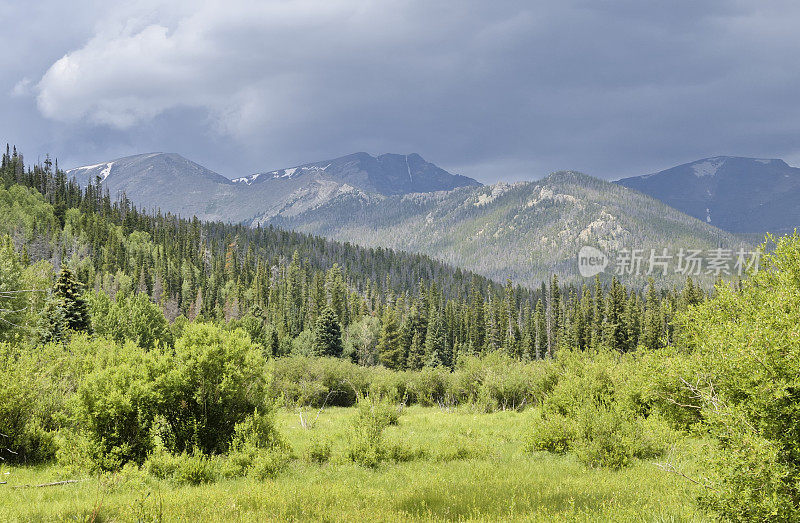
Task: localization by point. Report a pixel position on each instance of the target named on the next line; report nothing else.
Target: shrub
(268, 464)
(599, 409)
(745, 384)
(258, 431)
(184, 469)
(26, 408)
(552, 434)
(605, 438)
(130, 318)
(498, 382)
(194, 469)
(311, 381)
(161, 464)
(115, 405)
(257, 448)
(216, 380)
(366, 444)
(318, 452)
(430, 386)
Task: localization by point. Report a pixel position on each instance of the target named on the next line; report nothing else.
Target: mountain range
(741, 195)
(523, 231)
(170, 182)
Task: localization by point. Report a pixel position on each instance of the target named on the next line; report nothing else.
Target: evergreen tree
(651, 335)
(68, 292)
(553, 316)
(436, 351)
(391, 352)
(692, 294)
(416, 353)
(327, 335)
(540, 324)
(615, 334)
(51, 327)
(633, 321)
(273, 343)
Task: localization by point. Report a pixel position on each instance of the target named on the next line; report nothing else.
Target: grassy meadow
(458, 465)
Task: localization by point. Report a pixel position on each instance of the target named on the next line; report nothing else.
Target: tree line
(293, 293)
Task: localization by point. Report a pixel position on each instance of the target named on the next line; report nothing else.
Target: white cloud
(246, 63)
(22, 88)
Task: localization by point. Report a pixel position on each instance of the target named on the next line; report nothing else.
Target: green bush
(257, 448)
(430, 386)
(312, 381)
(215, 381)
(606, 438)
(600, 410)
(267, 464)
(194, 469)
(745, 386)
(488, 383)
(184, 469)
(366, 445)
(130, 318)
(115, 405)
(498, 382)
(27, 404)
(554, 433)
(257, 430)
(318, 452)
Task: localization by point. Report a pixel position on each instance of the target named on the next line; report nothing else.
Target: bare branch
(669, 467)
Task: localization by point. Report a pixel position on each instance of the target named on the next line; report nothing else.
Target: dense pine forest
(286, 288)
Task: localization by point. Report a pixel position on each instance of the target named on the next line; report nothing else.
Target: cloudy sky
(497, 90)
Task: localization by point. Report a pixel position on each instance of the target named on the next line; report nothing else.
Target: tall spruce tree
(615, 332)
(436, 350)
(69, 292)
(391, 351)
(327, 335)
(653, 318)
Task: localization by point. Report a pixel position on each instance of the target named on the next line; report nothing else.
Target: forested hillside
(526, 231)
(400, 309)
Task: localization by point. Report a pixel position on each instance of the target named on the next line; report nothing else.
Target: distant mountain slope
(387, 174)
(160, 180)
(172, 183)
(743, 195)
(525, 231)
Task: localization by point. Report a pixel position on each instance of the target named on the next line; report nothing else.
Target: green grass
(466, 466)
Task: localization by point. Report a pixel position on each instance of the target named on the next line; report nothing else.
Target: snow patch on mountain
(85, 167)
(281, 173)
(106, 171)
(103, 173)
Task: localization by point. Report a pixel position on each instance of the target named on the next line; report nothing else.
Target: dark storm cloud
(495, 90)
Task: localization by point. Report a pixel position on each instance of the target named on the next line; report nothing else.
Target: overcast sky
(497, 90)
